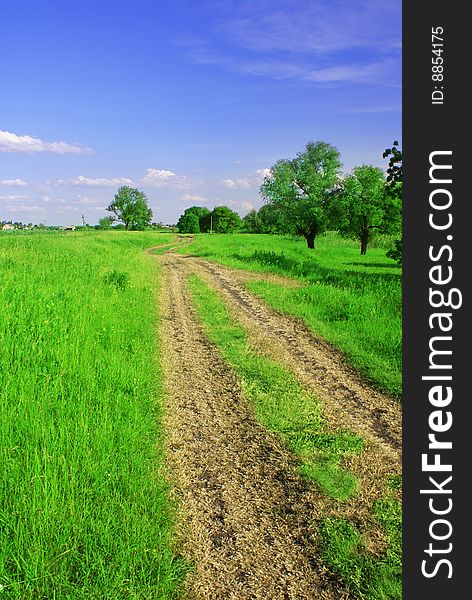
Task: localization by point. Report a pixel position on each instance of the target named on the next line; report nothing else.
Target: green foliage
(396, 253)
(395, 164)
(300, 188)
(188, 223)
(119, 279)
(369, 576)
(194, 220)
(251, 223)
(105, 223)
(362, 205)
(84, 511)
(281, 404)
(131, 207)
(394, 190)
(268, 219)
(225, 220)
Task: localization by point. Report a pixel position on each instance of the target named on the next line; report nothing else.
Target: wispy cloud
(324, 26)
(165, 178)
(325, 42)
(26, 144)
(28, 209)
(13, 197)
(193, 198)
(95, 181)
(13, 182)
(254, 180)
(243, 206)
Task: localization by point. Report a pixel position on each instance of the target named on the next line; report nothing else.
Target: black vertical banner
(436, 327)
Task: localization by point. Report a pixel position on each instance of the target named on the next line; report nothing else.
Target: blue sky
(190, 101)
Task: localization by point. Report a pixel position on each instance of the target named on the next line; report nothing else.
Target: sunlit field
(84, 507)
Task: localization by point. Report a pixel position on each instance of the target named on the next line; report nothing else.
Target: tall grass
(352, 301)
(84, 511)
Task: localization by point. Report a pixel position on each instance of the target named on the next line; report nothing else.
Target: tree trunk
(364, 240)
(310, 240)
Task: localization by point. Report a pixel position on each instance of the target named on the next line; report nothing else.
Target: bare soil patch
(245, 515)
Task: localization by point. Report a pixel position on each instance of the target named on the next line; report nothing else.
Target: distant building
(68, 228)
(8, 227)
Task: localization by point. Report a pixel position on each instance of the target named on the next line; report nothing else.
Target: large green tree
(224, 220)
(362, 205)
(194, 220)
(301, 188)
(130, 206)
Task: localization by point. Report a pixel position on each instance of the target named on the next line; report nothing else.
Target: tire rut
(246, 517)
(328, 372)
(347, 402)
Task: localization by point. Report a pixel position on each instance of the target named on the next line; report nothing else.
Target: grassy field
(84, 509)
(352, 301)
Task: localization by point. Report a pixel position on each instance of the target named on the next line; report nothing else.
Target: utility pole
(211, 222)
(83, 220)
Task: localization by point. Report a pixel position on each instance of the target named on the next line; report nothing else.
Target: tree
(394, 186)
(301, 188)
(105, 223)
(251, 223)
(130, 206)
(194, 220)
(188, 223)
(225, 220)
(361, 205)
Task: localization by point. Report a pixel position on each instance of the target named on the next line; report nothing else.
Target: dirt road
(246, 516)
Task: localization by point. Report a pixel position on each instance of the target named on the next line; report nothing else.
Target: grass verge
(84, 510)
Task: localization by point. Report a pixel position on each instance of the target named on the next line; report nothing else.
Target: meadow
(350, 300)
(84, 508)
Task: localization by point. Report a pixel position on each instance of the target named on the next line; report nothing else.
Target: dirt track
(247, 518)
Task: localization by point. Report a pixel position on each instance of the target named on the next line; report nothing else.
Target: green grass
(84, 509)
(283, 406)
(280, 403)
(370, 577)
(352, 301)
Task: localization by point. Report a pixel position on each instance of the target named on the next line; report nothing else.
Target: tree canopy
(130, 206)
(224, 220)
(360, 206)
(301, 188)
(199, 219)
(394, 188)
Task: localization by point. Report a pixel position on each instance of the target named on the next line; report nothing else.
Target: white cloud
(247, 182)
(243, 206)
(193, 198)
(13, 182)
(241, 182)
(25, 208)
(95, 182)
(26, 144)
(13, 197)
(165, 178)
